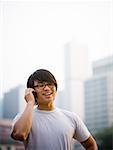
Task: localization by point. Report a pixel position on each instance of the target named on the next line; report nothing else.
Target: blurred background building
(76, 71)
(13, 102)
(1, 107)
(99, 96)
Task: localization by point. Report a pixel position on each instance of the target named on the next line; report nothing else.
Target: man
(47, 127)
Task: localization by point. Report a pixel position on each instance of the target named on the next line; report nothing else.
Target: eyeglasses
(43, 85)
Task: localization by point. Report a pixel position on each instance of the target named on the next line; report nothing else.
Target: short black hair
(41, 75)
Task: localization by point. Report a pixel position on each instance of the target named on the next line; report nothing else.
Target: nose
(46, 87)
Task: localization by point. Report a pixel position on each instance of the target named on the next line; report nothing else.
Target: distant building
(1, 107)
(59, 101)
(13, 102)
(99, 96)
(76, 70)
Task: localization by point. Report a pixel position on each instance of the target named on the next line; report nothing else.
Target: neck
(48, 107)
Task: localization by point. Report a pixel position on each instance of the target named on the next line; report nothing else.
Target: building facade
(99, 96)
(76, 70)
(13, 102)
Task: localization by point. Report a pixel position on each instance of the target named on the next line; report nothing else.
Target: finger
(29, 90)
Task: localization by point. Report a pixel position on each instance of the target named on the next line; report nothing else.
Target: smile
(47, 94)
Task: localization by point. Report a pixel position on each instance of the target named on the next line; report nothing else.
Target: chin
(48, 100)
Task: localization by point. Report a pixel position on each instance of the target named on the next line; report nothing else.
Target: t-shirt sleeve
(81, 132)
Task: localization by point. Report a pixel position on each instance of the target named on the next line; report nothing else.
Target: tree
(105, 139)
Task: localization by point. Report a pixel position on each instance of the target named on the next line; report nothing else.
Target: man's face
(46, 92)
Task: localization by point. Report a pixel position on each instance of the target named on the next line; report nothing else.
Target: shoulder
(69, 113)
(71, 116)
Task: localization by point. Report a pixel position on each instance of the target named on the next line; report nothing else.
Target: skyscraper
(76, 70)
(99, 96)
(1, 108)
(13, 102)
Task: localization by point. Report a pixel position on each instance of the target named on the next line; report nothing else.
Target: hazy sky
(33, 35)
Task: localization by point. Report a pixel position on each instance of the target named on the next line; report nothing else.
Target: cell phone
(35, 96)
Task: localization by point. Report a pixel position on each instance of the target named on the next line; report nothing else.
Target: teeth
(47, 94)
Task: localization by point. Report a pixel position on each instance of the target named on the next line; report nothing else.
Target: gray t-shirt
(55, 130)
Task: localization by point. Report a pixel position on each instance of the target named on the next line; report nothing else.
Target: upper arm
(81, 131)
(13, 132)
(90, 144)
(83, 135)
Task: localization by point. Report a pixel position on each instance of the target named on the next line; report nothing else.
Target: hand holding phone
(35, 96)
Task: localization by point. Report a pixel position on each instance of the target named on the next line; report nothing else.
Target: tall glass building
(99, 96)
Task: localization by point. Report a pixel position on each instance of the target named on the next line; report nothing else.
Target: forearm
(90, 144)
(92, 148)
(23, 125)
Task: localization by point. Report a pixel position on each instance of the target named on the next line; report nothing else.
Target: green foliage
(105, 139)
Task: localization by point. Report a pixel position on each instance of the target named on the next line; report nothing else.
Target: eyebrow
(35, 85)
(39, 83)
